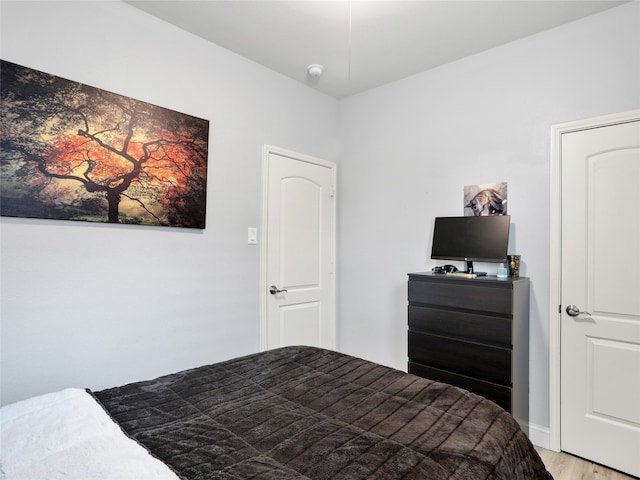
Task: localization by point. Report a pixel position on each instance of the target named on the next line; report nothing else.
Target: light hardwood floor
(567, 467)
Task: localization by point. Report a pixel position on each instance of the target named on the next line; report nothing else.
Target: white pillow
(67, 435)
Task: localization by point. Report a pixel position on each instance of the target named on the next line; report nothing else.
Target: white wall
(97, 305)
(410, 147)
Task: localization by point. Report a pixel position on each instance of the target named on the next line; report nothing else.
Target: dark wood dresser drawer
(463, 325)
(492, 297)
(458, 356)
(496, 393)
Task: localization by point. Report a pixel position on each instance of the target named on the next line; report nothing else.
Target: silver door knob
(574, 311)
(273, 290)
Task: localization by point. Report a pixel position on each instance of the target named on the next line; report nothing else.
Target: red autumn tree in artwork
(71, 151)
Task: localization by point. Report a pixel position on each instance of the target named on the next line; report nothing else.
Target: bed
(292, 413)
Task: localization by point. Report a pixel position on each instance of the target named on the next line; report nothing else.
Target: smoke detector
(315, 69)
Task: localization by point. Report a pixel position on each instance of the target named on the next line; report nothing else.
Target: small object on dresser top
(445, 269)
(461, 275)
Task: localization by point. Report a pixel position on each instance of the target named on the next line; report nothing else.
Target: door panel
(610, 398)
(300, 240)
(614, 180)
(301, 204)
(600, 349)
(300, 324)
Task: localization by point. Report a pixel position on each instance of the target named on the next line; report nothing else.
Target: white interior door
(300, 250)
(600, 348)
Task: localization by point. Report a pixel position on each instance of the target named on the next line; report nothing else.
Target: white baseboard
(539, 435)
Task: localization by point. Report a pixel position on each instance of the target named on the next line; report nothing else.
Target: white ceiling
(363, 44)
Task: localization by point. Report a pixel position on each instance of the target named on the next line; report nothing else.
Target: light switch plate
(252, 236)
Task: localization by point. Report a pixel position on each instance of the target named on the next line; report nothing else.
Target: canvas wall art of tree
(74, 152)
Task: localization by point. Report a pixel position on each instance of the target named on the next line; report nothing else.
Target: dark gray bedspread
(307, 413)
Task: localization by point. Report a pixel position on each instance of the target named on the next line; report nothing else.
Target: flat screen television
(479, 239)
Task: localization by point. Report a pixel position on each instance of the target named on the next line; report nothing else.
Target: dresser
(472, 333)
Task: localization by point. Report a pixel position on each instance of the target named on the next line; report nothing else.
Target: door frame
(555, 258)
(268, 150)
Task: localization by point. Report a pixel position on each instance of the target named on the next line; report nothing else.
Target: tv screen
(481, 239)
